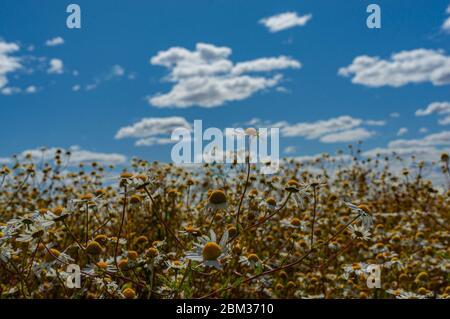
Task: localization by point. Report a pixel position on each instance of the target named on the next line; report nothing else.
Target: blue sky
(106, 81)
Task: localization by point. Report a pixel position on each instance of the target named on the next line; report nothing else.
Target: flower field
(155, 230)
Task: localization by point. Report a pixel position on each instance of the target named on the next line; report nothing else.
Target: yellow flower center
(217, 197)
(135, 199)
(126, 175)
(211, 251)
(133, 255)
(292, 186)
(94, 248)
(271, 201)
(356, 266)
(295, 222)
(152, 252)
(86, 197)
(102, 265)
(129, 293)
(123, 263)
(253, 257)
(365, 208)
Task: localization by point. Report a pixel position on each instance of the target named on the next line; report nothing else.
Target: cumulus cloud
(446, 24)
(358, 134)
(54, 42)
(402, 131)
(206, 77)
(441, 138)
(56, 66)
(334, 130)
(406, 67)
(153, 130)
(440, 108)
(435, 107)
(428, 148)
(314, 130)
(285, 21)
(8, 63)
(31, 89)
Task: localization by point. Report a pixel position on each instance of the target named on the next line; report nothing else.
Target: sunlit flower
(208, 252)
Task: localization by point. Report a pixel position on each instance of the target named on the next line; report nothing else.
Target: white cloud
(285, 21)
(8, 63)
(375, 123)
(153, 130)
(116, 71)
(446, 24)
(438, 108)
(150, 141)
(435, 107)
(441, 138)
(76, 87)
(419, 152)
(394, 115)
(402, 131)
(266, 65)
(445, 121)
(10, 90)
(77, 156)
(31, 89)
(290, 149)
(427, 148)
(54, 42)
(423, 130)
(415, 66)
(206, 77)
(334, 130)
(5, 160)
(314, 130)
(56, 66)
(358, 134)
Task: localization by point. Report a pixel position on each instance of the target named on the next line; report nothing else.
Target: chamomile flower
(298, 192)
(217, 199)
(251, 260)
(175, 264)
(293, 223)
(359, 232)
(208, 252)
(364, 213)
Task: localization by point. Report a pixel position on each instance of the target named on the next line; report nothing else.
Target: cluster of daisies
(156, 230)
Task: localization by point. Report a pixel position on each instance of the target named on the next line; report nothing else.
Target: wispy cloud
(402, 131)
(115, 72)
(206, 77)
(77, 155)
(440, 108)
(446, 24)
(54, 42)
(285, 21)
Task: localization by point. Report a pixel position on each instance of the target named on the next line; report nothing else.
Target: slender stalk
(292, 264)
(87, 222)
(124, 210)
(166, 226)
(314, 216)
(243, 195)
